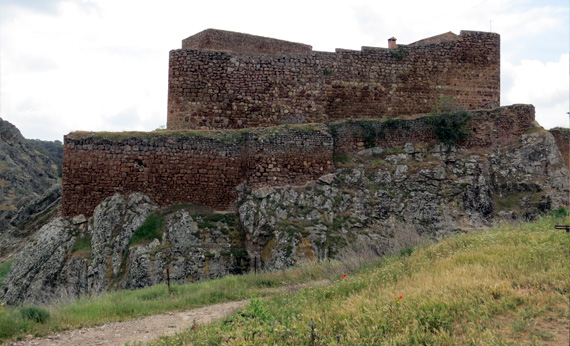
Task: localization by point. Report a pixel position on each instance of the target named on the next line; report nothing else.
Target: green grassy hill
(509, 285)
(505, 286)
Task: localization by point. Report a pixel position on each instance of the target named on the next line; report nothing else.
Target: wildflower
(400, 297)
(194, 327)
(344, 276)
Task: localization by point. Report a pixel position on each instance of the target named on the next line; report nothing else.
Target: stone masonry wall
(228, 41)
(205, 168)
(230, 90)
(186, 167)
(562, 137)
(488, 128)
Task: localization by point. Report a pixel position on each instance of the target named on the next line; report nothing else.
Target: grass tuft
(35, 314)
(4, 269)
(151, 229)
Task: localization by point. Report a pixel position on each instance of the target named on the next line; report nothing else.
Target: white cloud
(543, 84)
(103, 65)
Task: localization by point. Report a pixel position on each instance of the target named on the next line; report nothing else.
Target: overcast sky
(102, 65)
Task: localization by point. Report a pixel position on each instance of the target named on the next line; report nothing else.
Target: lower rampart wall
(488, 128)
(205, 168)
(188, 167)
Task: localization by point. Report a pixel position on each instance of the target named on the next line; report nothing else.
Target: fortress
(261, 111)
(226, 80)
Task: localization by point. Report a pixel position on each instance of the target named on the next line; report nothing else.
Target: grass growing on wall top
(225, 136)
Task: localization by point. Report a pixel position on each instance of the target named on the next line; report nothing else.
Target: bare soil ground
(148, 328)
(144, 329)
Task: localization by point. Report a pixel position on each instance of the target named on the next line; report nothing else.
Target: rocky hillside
(383, 198)
(25, 173)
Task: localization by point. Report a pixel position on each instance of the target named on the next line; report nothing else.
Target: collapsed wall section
(230, 90)
(186, 166)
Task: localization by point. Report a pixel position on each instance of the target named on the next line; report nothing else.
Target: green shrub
(82, 244)
(151, 229)
(450, 128)
(399, 53)
(406, 252)
(33, 313)
(561, 212)
(4, 269)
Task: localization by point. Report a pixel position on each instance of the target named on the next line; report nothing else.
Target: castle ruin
(227, 80)
(228, 92)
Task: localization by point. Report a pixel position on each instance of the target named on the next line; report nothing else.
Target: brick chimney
(391, 43)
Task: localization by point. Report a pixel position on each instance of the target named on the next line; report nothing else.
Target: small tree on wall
(445, 104)
(449, 122)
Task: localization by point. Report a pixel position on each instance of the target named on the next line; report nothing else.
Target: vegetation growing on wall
(399, 54)
(450, 128)
(449, 121)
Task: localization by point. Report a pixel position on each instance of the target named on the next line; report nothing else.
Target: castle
(229, 92)
(226, 80)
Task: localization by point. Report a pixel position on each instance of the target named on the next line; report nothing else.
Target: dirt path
(148, 328)
(144, 329)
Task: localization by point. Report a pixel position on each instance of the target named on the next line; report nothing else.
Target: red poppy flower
(194, 327)
(400, 297)
(344, 276)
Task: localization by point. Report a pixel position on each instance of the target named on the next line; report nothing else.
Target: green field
(508, 285)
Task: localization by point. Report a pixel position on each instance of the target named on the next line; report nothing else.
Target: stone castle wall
(228, 41)
(488, 129)
(562, 137)
(206, 167)
(186, 167)
(219, 87)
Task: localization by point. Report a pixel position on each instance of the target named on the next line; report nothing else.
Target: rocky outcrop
(27, 220)
(385, 199)
(70, 257)
(24, 172)
(396, 198)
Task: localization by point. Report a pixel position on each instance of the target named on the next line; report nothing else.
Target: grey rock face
(34, 274)
(114, 223)
(29, 218)
(25, 173)
(386, 199)
(191, 248)
(404, 200)
(49, 267)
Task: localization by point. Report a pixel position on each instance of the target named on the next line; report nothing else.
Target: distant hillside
(51, 149)
(27, 168)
